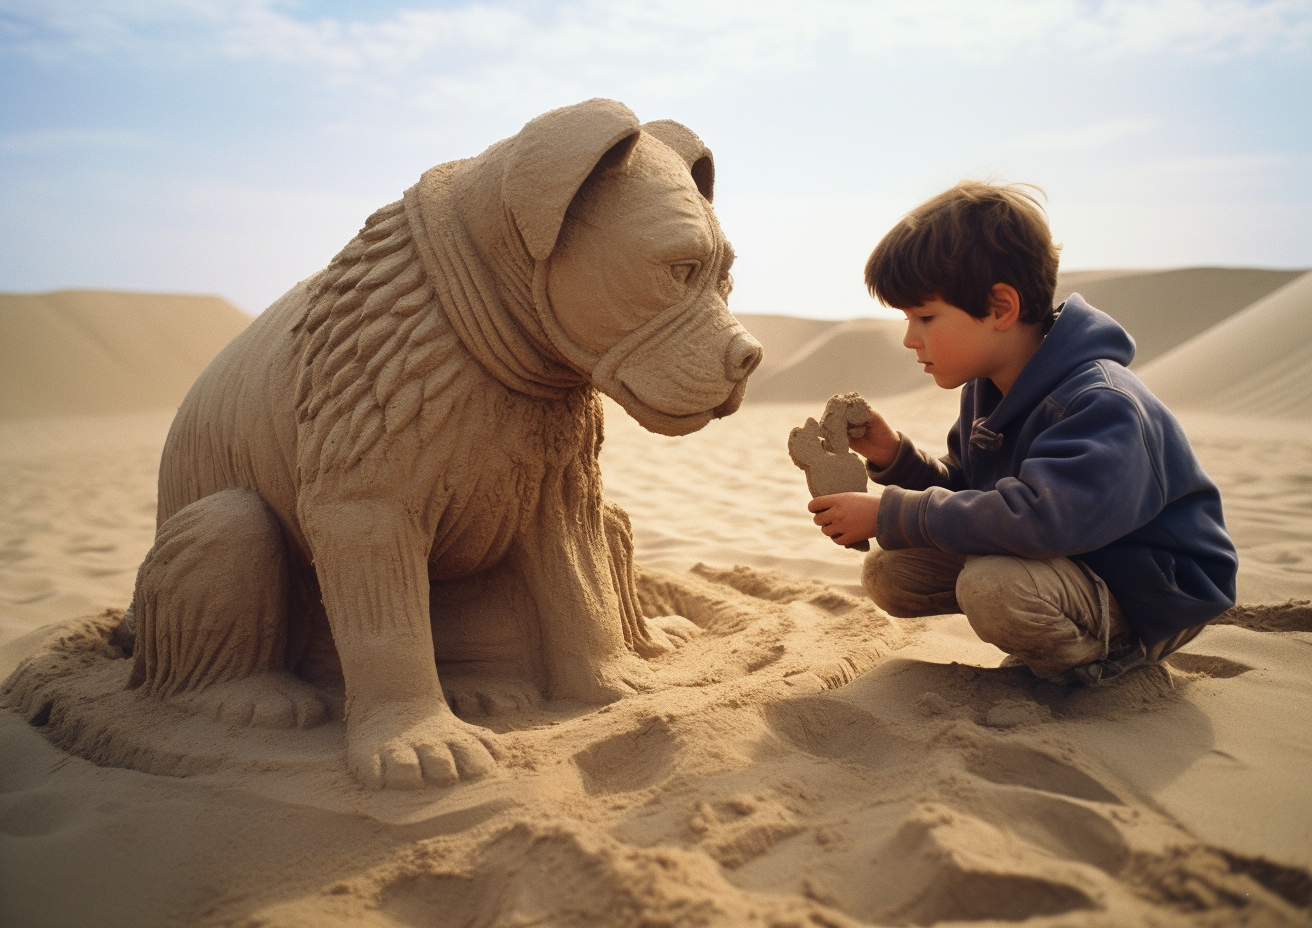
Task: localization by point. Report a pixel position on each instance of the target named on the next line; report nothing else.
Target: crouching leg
(210, 616)
(1052, 615)
(913, 582)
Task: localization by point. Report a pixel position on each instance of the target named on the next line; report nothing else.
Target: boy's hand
(875, 441)
(847, 517)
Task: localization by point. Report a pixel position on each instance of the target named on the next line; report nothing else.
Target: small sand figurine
(820, 449)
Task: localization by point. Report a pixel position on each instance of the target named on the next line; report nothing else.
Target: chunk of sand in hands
(820, 449)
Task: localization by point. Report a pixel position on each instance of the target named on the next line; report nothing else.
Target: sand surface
(805, 761)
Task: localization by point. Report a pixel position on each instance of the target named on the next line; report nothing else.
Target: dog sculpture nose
(744, 354)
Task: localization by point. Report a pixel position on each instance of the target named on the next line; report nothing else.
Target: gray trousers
(1052, 615)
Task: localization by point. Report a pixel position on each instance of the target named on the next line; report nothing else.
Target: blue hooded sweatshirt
(1078, 460)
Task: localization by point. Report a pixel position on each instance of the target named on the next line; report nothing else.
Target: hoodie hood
(1080, 335)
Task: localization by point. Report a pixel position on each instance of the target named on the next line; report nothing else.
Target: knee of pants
(985, 590)
(1020, 604)
(912, 583)
(1010, 607)
(874, 577)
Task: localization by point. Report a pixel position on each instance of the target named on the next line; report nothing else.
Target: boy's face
(954, 346)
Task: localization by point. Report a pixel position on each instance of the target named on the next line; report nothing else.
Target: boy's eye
(684, 270)
(924, 318)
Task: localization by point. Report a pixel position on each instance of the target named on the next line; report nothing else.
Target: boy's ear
(1004, 305)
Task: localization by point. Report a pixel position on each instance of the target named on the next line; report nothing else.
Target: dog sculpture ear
(690, 148)
(551, 158)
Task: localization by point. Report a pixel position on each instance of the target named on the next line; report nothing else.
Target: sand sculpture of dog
(395, 466)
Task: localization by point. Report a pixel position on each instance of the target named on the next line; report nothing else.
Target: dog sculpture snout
(744, 355)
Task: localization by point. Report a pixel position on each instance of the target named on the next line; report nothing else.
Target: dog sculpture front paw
(606, 682)
(264, 700)
(413, 744)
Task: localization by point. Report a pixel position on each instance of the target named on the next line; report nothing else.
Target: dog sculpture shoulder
(424, 413)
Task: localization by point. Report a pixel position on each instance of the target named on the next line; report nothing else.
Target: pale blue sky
(234, 147)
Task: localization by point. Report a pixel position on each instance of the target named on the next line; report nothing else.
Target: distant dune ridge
(87, 352)
(865, 355)
(809, 360)
(1257, 362)
(96, 351)
(1161, 309)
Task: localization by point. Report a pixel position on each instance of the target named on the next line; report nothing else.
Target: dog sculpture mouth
(734, 400)
(657, 420)
(670, 387)
(668, 413)
(676, 372)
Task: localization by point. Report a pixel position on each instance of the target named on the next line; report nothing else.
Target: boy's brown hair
(957, 245)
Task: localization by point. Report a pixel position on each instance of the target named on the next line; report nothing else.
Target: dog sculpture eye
(684, 270)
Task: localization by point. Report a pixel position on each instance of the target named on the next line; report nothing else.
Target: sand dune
(81, 352)
(865, 355)
(1257, 362)
(1162, 309)
(805, 761)
(780, 336)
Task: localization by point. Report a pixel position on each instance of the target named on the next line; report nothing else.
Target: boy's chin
(947, 383)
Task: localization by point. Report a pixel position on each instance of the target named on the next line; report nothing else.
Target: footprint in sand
(631, 760)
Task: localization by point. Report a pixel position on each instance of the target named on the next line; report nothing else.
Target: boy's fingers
(821, 503)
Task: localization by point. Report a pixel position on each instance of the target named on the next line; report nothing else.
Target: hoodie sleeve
(1089, 479)
(914, 469)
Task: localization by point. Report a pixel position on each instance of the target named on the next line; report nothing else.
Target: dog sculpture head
(607, 264)
(638, 283)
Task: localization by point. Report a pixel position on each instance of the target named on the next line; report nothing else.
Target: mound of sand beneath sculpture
(1257, 362)
(806, 760)
(80, 352)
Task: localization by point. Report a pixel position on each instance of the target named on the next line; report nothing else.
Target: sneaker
(1134, 657)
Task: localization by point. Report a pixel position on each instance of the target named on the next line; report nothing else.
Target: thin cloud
(604, 37)
(47, 141)
(1083, 137)
(1220, 164)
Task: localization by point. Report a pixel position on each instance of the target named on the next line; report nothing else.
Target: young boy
(1070, 520)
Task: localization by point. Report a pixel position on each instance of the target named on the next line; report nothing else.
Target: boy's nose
(909, 340)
